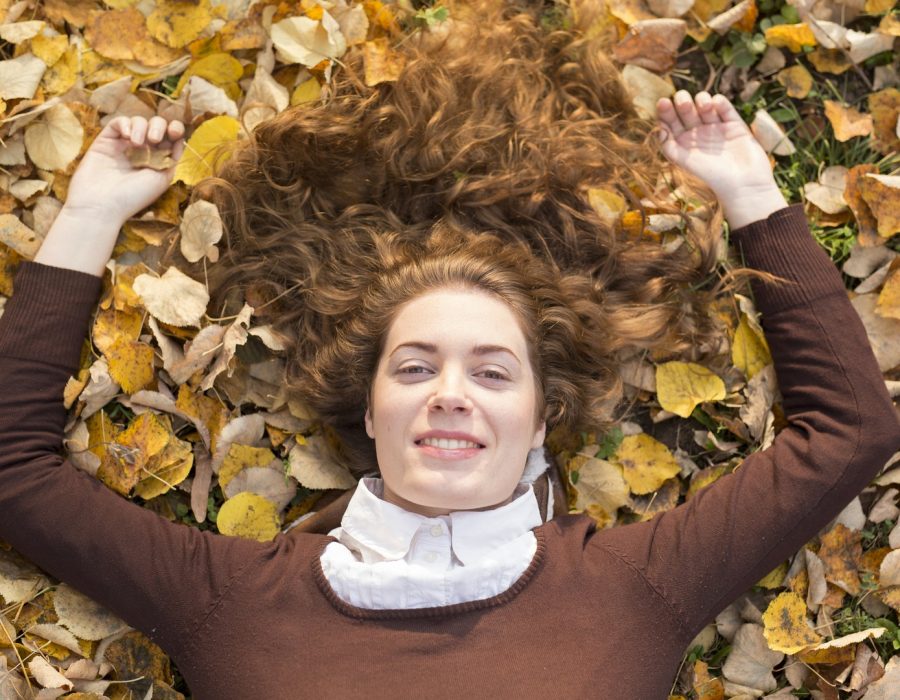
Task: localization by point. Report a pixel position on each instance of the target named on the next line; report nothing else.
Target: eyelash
(500, 376)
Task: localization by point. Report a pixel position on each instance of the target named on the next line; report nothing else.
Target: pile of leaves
(183, 412)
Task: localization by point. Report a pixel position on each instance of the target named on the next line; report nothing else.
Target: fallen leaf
(314, 469)
(250, 516)
(599, 482)
(20, 76)
(828, 192)
(174, 298)
(846, 121)
(786, 628)
(645, 462)
(882, 194)
(307, 41)
(884, 106)
(382, 63)
(206, 147)
(751, 662)
(681, 386)
(645, 89)
(201, 229)
(177, 23)
(83, 616)
(130, 364)
(840, 553)
(797, 81)
(888, 305)
(790, 36)
(54, 141)
(651, 44)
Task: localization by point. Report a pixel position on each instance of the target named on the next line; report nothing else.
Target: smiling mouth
(448, 444)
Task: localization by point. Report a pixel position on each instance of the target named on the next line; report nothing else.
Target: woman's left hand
(707, 137)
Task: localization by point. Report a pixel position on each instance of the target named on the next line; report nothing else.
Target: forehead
(453, 318)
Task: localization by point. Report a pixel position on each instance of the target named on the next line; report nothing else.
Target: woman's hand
(105, 182)
(707, 137)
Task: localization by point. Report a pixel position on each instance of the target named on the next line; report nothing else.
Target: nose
(450, 393)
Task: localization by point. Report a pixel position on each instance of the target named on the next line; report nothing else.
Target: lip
(448, 435)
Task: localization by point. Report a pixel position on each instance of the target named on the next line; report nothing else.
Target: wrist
(80, 239)
(748, 206)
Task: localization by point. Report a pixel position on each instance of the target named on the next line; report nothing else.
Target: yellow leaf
(202, 151)
(785, 627)
(123, 461)
(177, 24)
(609, 205)
(840, 553)
(888, 304)
(882, 194)
(63, 74)
(250, 516)
(220, 69)
(130, 364)
(307, 91)
(775, 577)
(832, 61)
(167, 469)
(242, 456)
(599, 483)
(49, 48)
(111, 325)
(797, 80)
(383, 64)
(148, 433)
(749, 349)
(680, 386)
(846, 121)
(114, 34)
(646, 463)
(790, 36)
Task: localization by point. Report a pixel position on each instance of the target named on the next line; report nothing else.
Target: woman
(465, 351)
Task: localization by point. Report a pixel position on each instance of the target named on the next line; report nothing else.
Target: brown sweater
(597, 613)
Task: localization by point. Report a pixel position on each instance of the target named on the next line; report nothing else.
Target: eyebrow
(477, 350)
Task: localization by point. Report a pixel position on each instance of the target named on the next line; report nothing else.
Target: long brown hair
(495, 127)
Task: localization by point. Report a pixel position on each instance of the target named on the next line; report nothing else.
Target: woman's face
(453, 404)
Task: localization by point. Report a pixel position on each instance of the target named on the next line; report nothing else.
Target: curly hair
(492, 134)
(554, 312)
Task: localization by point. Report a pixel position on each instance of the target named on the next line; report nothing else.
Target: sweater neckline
(354, 611)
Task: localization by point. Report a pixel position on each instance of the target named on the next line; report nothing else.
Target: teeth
(445, 444)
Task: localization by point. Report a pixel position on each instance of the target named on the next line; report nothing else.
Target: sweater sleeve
(160, 577)
(842, 428)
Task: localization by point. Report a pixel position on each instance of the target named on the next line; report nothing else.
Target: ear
(370, 427)
(539, 435)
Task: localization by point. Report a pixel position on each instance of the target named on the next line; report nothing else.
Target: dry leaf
(20, 77)
(314, 469)
(55, 140)
(599, 483)
(785, 625)
(645, 462)
(201, 229)
(846, 121)
(174, 298)
(888, 305)
(828, 192)
(751, 662)
(651, 44)
(84, 617)
(250, 516)
(307, 41)
(204, 148)
(797, 81)
(681, 386)
(882, 194)
(790, 36)
(177, 23)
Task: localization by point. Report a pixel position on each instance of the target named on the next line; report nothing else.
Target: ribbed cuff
(783, 245)
(46, 318)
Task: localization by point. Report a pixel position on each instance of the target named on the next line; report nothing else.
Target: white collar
(383, 531)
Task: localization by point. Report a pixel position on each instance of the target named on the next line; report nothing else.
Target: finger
(156, 129)
(665, 112)
(686, 109)
(138, 130)
(176, 130)
(177, 149)
(118, 127)
(705, 108)
(725, 110)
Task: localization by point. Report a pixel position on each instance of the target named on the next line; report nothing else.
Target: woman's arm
(842, 428)
(160, 577)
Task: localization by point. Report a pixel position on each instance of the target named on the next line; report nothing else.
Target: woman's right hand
(106, 184)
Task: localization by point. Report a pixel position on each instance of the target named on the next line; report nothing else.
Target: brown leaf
(651, 44)
(884, 107)
(840, 553)
(846, 121)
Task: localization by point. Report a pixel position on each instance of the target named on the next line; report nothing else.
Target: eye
(494, 374)
(412, 369)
